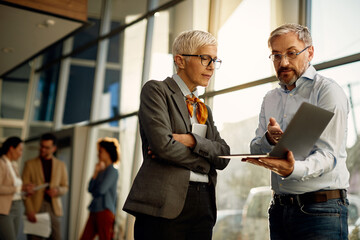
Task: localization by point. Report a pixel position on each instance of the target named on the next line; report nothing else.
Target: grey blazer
(161, 184)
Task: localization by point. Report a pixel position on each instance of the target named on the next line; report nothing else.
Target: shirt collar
(184, 89)
(309, 74)
(6, 158)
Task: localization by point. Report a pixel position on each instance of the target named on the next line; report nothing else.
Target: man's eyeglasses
(289, 55)
(206, 60)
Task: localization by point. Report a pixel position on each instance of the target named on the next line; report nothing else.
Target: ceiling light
(47, 23)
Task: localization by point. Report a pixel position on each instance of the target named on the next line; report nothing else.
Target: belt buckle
(285, 200)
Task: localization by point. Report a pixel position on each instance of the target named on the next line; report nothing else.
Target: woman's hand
(100, 166)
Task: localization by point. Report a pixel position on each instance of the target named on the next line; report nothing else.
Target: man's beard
(296, 76)
(292, 80)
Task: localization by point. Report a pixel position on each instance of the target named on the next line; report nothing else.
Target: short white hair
(189, 42)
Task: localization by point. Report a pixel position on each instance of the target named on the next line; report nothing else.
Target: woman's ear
(180, 61)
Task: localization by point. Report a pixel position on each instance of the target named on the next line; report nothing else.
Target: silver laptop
(301, 134)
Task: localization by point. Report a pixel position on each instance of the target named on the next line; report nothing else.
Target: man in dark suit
(173, 194)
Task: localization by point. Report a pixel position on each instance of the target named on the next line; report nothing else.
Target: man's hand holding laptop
(282, 167)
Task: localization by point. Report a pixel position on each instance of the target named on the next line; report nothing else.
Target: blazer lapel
(40, 169)
(178, 98)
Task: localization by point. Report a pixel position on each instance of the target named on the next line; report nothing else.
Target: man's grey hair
(302, 32)
(189, 42)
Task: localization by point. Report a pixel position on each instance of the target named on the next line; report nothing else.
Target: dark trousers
(196, 220)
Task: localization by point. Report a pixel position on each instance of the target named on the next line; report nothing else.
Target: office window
(242, 41)
(335, 37)
(89, 34)
(6, 132)
(131, 74)
(13, 105)
(347, 76)
(45, 97)
(110, 98)
(79, 95)
(114, 50)
(244, 52)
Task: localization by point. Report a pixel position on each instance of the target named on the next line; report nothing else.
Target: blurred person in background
(102, 187)
(46, 169)
(11, 188)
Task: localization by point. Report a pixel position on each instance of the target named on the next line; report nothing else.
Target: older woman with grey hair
(173, 194)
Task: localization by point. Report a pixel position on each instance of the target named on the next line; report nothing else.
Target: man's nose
(284, 61)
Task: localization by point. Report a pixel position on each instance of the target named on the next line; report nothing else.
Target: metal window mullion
(100, 67)
(214, 20)
(101, 59)
(62, 86)
(145, 77)
(32, 90)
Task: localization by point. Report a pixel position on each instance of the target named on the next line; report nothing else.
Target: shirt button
(284, 115)
(291, 94)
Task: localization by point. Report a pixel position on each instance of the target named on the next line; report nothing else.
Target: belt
(199, 185)
(309, 198)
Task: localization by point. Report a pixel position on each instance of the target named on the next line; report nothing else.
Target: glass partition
(242, 41)
(131, 75)
(335, 37)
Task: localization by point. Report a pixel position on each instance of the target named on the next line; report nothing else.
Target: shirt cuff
(298, 172)
(266, 146)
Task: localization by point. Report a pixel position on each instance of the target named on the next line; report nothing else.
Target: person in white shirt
(11, 188)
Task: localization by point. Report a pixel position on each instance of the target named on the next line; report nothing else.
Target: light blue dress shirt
(185, 91)
(325, 167)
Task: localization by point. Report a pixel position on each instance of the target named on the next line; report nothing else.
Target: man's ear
(311, 53)
(180, 61)
(54, 149)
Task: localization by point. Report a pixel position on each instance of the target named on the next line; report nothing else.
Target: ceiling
(25, 33)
